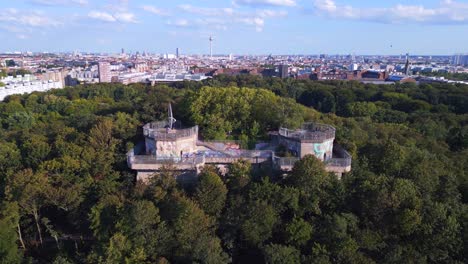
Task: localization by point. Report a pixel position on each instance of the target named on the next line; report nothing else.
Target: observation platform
(167, 143)
(309, 133)
(150, 162)
(161, 131)
(339, 163)
(192, 161)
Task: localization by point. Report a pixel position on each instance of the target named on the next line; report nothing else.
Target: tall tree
(29, 189)
(210, 192)
(9, 222)
(104, 146)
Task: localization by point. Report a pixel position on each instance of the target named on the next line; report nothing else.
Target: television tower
(211, 47)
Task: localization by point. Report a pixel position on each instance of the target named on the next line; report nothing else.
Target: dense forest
(67, 196)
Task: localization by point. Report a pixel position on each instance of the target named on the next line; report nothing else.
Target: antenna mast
(172, 120)
(211, 47)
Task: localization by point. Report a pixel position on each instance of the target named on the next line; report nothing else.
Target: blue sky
(238, 26)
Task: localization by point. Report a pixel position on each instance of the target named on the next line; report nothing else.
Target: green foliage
(459, 76)
(35, 150)
(259, 223)
(360, 109)
(10, 63)
(321, 100)
(239, 175)
(118, 250)
(20, 120)
(68, 196)
(102, 216)
(298, 232)
(220, 112)
(18, 72)
(210, 192)
(194, 237)
(278, 254)
(10, 157)
(9, 220)
(308, 174)
(104, 145)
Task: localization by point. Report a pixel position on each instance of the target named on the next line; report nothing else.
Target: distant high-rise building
(141, 67)
(460, 59)
(70, 81)
(104, 72)
(123, 51)
(353, 67)
(177, 52)
(169, 56)
(407, 65)
(283, 71)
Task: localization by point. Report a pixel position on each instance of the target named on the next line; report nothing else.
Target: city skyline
(270, 26)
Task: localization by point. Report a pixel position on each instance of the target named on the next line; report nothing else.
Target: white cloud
(103, 16)
(221, 18)
(22, 24)
(13, 16)
(124, 17)
(266, 2)
(326, 5)
(60, 2)
(272, 13)
(179, 23)
(257, 22)
(117, 5)
(447, 12)
(154, 10)
(22, 36)
(206, 11)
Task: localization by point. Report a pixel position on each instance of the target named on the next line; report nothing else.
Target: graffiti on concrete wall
(150, 146)
(172, 149)
(322, 148)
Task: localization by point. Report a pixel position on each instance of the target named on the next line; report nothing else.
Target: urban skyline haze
(238, 26)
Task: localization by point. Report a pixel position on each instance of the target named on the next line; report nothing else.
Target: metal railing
(286, 162)
(310, 131)
(252, 153)
(169, 134)
(342, 157)
(211, 145)
(311, 126)
(338, 162)
(156, 125)
(228, 160)
(223, 141)
(149, 159)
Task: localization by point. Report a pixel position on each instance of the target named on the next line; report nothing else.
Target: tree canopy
(67, 195)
